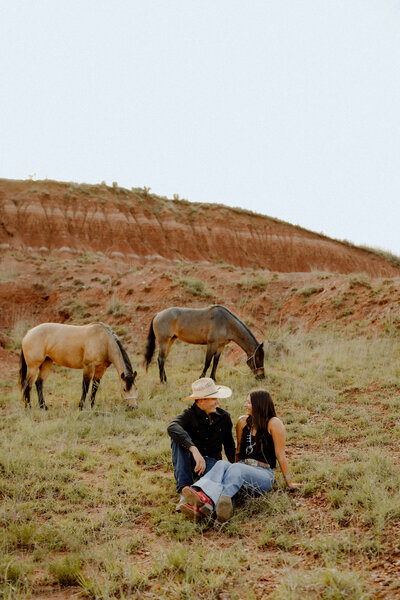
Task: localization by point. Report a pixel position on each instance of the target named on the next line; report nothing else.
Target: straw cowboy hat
(206, 388)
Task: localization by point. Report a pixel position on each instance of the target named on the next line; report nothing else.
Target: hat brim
(223, 391)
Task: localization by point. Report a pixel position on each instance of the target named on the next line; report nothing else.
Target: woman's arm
(228, 441)
(241, 422)
(277, 429)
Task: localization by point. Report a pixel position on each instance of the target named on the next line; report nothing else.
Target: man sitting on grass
(198, 434)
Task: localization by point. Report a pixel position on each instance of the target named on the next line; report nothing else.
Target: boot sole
(192, 498)
(224, 508)
(186, 510)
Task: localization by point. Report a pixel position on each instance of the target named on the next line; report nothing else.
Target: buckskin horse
(215, 326)
(92, 347)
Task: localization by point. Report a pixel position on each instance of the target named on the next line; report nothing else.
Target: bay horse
(215, 326)
(92, 347)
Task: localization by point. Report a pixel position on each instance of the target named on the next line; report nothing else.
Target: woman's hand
(293, 486)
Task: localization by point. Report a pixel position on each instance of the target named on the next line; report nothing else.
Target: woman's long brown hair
(263, 409)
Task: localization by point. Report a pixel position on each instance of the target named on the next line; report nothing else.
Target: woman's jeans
(227, 478)
(184, 465)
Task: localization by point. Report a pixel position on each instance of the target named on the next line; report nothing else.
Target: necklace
(250, 443)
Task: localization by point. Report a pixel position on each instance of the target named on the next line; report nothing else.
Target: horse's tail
(22, 371)
(151, 344)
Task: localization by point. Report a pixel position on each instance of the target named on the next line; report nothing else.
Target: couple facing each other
(197, 437)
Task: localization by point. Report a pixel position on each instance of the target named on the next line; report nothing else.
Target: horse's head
(129, 389)
(256, 362)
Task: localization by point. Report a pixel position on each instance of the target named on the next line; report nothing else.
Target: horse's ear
(123, 376)
(134, 375)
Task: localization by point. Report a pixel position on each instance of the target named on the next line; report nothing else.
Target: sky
(287, 108)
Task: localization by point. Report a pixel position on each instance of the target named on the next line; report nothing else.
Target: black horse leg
(27, 394)
(215, 365)
(39, 389)
(165, 347)
(163, 377)
(209, 355)
(85, 388)
(95, 387)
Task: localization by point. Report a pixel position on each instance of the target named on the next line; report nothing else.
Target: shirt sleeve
(229, 442)
(177, 431)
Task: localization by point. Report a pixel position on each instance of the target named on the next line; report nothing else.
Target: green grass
(116, 308)
(309, 291)
(253, 283)
(87, 499)
(9, 275)
(322, 584)
(195, 286)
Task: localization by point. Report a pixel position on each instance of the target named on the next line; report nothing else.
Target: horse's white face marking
(131, 393)
(130, 396)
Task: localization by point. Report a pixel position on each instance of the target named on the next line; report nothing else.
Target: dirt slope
(67, 219)
(78, 253)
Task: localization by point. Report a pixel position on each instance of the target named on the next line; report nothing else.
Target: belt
(252, 462)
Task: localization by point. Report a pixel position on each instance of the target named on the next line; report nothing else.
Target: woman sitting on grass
(261, 442)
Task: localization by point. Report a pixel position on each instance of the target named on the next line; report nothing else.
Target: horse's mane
(124, 354)
(236, 319)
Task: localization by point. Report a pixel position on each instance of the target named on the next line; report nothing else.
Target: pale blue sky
(287, 108)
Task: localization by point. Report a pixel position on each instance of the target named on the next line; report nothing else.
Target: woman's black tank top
(248, 448)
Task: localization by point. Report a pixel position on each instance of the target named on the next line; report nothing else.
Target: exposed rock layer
(70, 218)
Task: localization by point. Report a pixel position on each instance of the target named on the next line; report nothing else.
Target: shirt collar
(199, 411)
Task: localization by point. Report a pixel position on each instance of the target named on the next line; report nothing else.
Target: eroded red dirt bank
(67, 218)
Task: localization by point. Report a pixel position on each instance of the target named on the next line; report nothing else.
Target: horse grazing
(89, 347)
(215, 326)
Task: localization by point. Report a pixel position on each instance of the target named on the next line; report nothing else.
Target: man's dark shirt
(208, 437)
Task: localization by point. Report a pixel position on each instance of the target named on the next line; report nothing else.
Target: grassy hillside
(88, 498)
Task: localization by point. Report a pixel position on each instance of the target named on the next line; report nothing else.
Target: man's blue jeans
(184, 465)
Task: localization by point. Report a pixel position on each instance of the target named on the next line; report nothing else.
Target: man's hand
(199, 460)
